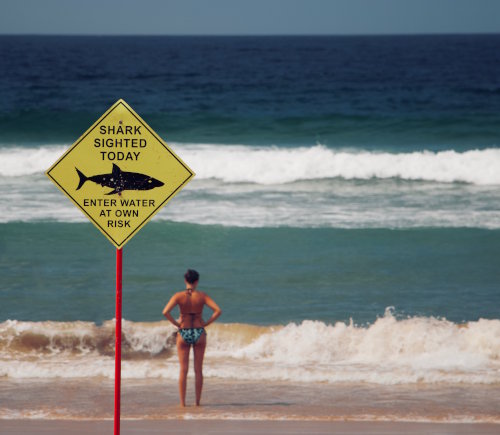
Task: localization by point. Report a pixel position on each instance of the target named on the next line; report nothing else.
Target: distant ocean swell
(273, 165)
(390, 351)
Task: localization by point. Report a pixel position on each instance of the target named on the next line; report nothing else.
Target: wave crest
(389, 351)
(139, 340)
(273, 165)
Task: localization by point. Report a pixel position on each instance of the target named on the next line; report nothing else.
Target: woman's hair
(191, 276)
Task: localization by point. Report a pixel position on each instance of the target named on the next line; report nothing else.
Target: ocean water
(345, 215)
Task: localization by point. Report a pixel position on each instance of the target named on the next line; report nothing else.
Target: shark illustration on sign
(120, 180)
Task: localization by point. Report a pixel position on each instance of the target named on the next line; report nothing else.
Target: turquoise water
(259, 275)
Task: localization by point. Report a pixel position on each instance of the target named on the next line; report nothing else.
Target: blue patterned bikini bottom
(191, 335)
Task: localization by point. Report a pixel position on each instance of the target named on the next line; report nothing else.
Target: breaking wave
(273, 165)
(389, 351)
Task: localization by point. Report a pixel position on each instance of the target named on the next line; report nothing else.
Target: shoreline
(229, 400)
(131, 427)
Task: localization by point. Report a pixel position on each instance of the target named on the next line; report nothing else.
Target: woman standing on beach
(191, 330)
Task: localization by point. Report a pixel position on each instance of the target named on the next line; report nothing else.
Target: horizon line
(250, 35)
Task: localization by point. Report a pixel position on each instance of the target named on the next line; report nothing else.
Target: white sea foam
(16, 161)
(247, 186)
(390, 351)
(285, 165)
(273, 165)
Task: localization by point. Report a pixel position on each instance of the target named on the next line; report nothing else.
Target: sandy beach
(240, 427)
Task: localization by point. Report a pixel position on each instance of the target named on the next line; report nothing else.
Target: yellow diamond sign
(120, 173)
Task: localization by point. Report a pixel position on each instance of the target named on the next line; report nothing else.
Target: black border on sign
(91, 129)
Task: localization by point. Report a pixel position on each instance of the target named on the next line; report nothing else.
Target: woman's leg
(199, 353)
(183, 352)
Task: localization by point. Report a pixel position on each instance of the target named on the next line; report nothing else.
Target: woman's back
(191, 305)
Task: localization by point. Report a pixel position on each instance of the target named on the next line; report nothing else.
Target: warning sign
(120, 173)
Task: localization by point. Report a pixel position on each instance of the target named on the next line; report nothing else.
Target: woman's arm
(169, 307)
(217, 311)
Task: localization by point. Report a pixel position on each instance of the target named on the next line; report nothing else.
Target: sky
(248, 17)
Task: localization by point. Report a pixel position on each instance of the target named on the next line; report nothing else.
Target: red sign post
(118, 339)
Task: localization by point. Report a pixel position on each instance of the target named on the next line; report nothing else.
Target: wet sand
(178, 427)
(92, 400)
